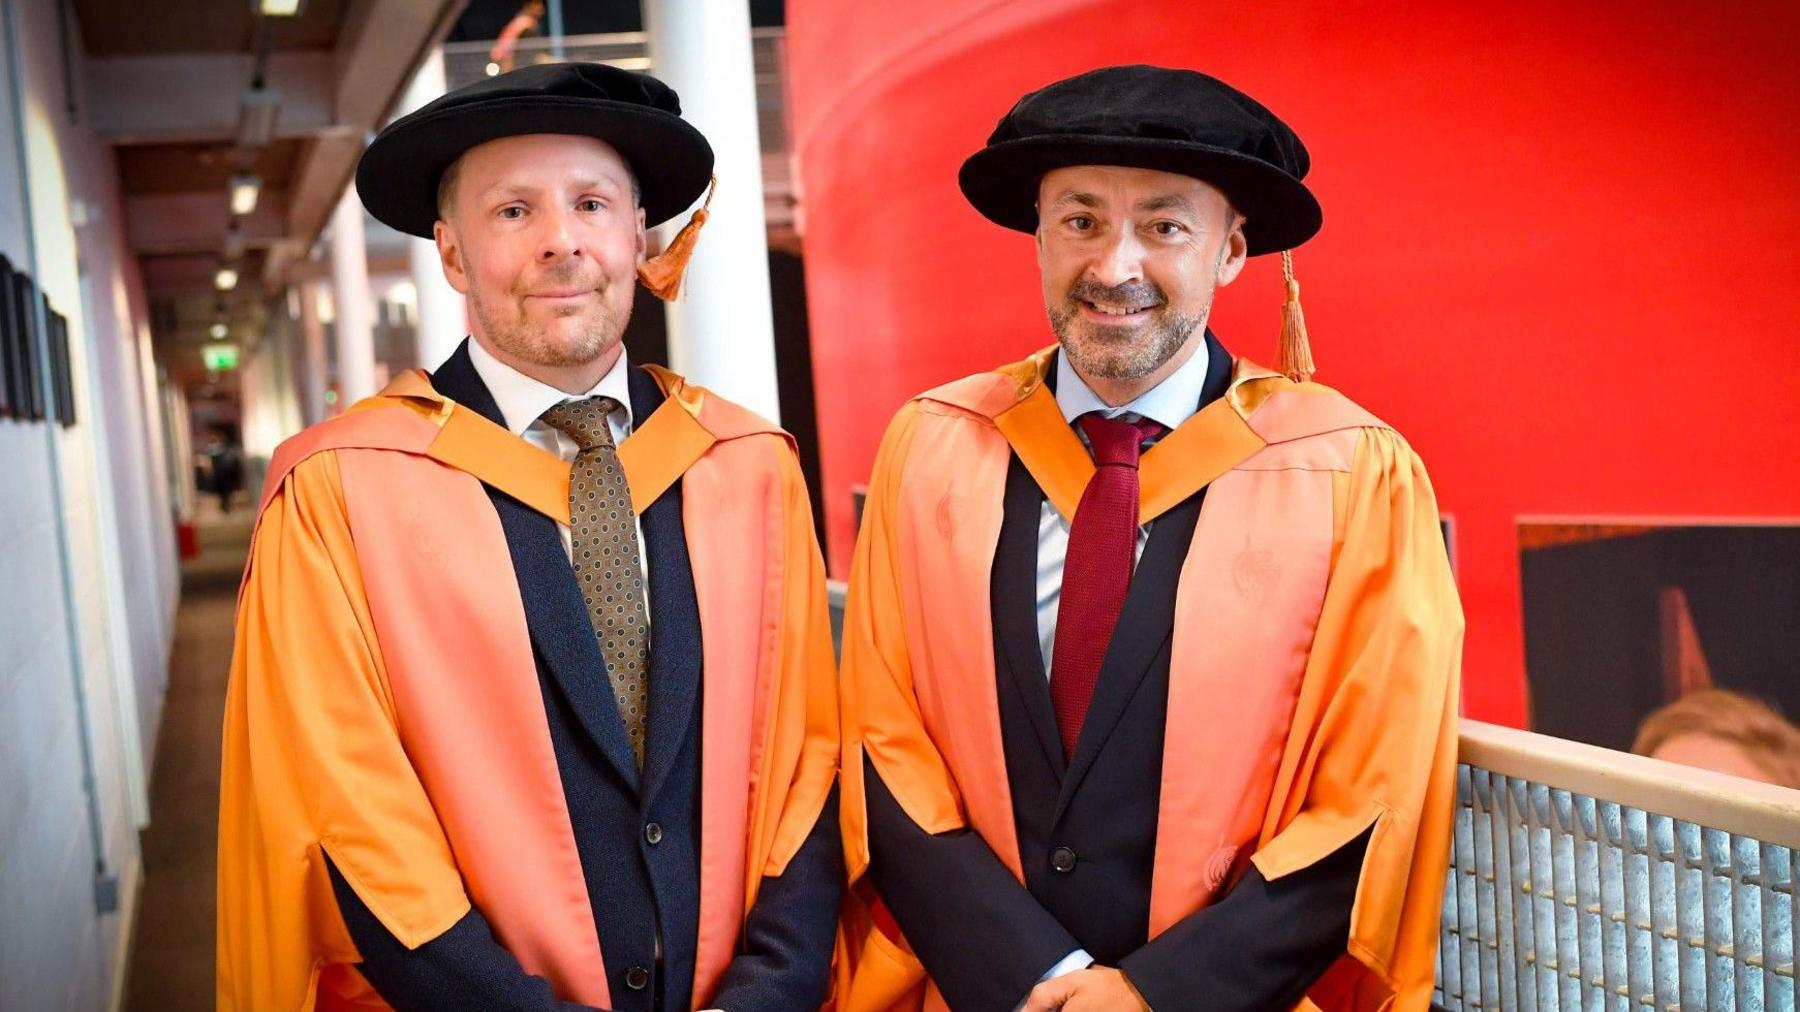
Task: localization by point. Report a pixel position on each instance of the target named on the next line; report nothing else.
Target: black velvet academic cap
(1179, 121)
(638, 115)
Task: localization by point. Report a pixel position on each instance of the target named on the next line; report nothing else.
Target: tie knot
(584, 421)
(1115, 440)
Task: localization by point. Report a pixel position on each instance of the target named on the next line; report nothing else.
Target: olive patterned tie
(604, 550)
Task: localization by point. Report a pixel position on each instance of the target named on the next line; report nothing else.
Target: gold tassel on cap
(664, 272)
(1296, 361)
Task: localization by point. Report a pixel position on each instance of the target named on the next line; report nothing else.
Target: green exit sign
(220, 357)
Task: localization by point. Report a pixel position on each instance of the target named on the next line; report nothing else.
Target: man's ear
(643, 238)
(450, 256)
(1234, 253)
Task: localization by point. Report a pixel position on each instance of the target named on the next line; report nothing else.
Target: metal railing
(1583, 878)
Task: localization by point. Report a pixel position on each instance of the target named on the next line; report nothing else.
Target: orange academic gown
(1317, 643)
(384, 705)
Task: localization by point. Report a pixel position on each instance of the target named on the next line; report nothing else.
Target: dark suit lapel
(555, 613)
(1148, 617)
(675, 644)
(1019, 658)
(561, 629)
(458, 380)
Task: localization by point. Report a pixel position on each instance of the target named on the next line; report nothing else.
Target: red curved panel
(1558, 250)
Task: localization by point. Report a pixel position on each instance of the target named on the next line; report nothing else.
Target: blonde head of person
(1726, 732)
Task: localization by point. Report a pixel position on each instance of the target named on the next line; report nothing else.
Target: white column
(720, 332)
(292, 419)
(312, 340)
(443, 317)
(254, 396)
(355, 306)
(180, 425)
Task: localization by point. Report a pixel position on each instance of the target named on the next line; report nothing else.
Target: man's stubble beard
(528, 343)
(1130, 360)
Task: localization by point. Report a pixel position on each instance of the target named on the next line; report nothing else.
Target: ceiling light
(278, 8)
(256, 117)
(218, 330)
(244, 190)
(225, 280)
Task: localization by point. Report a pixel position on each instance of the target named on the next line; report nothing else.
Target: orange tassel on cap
(1295, 361)
(664, 272)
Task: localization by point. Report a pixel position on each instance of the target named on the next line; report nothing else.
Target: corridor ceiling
(168, 86)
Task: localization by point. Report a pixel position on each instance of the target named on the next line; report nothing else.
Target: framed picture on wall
(52, 361)
(20, 374)
(31, 392)
(7, 372)
(62, 389)
(68, 371)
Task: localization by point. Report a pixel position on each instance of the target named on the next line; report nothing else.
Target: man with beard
(492, 613)
(1151, 652)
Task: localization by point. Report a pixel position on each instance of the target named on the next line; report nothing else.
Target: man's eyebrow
(1166, 201)
(1080, 197)
(508, 187)
(602, 182)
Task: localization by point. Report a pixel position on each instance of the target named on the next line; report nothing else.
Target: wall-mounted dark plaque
(8, 372)
(31, 393)
(62, 375)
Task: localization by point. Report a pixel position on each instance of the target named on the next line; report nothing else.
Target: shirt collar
(1168, 403)
(522, 399)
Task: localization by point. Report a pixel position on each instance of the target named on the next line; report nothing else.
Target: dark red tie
(1097, 568)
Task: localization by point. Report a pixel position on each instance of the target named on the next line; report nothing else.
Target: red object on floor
(187, 538)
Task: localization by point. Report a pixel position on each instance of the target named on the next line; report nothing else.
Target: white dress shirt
(1168, 403)
(523, 399)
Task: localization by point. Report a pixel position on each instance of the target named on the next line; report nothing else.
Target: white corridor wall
(87, 564)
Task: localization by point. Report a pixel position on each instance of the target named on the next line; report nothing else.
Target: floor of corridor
(172, 945)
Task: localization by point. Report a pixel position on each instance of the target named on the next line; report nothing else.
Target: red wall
(1559, 247)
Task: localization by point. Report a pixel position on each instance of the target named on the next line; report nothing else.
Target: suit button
(637, 978)
(653, 833)
(1063, 860)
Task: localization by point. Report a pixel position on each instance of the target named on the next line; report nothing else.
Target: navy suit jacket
(1087, 825)
(637, 833)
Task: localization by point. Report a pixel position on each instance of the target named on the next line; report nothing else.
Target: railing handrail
(1749, 808)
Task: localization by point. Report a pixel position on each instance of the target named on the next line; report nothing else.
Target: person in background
(1724, 731)
(225, 460)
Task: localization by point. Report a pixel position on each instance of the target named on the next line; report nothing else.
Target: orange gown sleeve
(804, 738)
(313, 761)
(1375, 730)
(881, 711)
(882, 720)
(801, 758)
